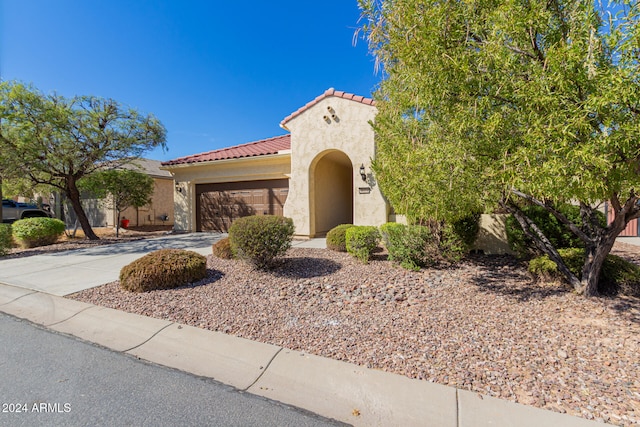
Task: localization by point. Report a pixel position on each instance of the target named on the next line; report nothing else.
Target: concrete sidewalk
(334, 389)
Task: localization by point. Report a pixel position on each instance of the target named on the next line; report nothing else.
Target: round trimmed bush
(261, 239)
(222, 249)
(336, 238)
(618, 276)
(163, 269)
(362, 240)
(41, 231)
(6, 239)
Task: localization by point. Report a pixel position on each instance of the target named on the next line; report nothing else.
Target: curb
(339, 390)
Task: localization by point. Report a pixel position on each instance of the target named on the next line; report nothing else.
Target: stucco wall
(161, 204)
(492, 236)
(234, 170)
(313, 136)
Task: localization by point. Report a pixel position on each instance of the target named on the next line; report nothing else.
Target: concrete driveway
(63, 273)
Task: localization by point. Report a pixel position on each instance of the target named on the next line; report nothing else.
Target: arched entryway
(331, 178)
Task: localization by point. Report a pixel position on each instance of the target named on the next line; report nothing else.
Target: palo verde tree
(510, 102)
(120, 189)
(56, 141)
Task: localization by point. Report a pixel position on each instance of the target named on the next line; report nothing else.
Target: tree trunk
(117, 224)
(595, 256)
(532, 231)
(74, 197)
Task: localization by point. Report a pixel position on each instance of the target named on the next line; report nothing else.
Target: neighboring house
(631, 230)
(319, 174)
(158, 212)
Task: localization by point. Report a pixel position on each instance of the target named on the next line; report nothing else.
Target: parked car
(13, 211)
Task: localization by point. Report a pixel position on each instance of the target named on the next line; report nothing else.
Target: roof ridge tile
(327, 93)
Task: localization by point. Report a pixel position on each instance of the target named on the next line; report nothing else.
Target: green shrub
(557, 233)
(543, 267)
(32, 232)
(618, 276)
(411, 246)
(6, 239)
(416, 246)
(391, 234)
(222, 249)
(457, 238)
(362, 240)
(260, 239)
(466, 229)
(419, 248)
(336, 238)
(163, 269)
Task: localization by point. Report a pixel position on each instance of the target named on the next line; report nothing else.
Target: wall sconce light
(363, 173)
(178, 187)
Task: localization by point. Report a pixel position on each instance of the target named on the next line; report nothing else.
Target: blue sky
(216, 73)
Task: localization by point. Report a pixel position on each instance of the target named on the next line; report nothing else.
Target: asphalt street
(50, 379)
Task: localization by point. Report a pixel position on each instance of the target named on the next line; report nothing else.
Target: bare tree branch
(559, 216)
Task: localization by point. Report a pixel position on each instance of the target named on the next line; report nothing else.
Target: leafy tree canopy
(510, 102)
(17, 186)
(54, 140)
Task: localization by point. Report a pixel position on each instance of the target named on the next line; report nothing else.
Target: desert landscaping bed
(482, 325)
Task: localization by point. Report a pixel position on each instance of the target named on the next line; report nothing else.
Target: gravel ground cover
(482, 325)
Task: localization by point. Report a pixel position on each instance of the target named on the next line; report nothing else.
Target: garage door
(217, 205)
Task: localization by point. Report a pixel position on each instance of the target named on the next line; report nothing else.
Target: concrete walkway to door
(63, 273)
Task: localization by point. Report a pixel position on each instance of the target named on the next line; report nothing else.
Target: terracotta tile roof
(251, 149)
(327, 93)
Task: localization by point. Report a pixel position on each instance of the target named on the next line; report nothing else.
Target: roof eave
(281, 154)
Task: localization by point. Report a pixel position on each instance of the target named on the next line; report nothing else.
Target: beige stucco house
(158, 212)
(319, 174)
(102, 214)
